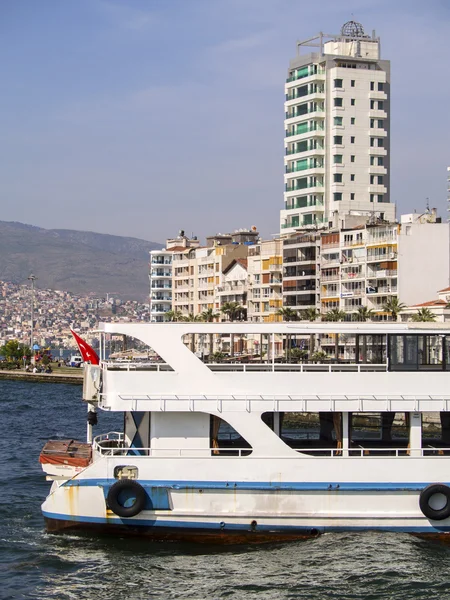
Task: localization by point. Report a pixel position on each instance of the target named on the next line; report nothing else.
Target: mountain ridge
(81, 262)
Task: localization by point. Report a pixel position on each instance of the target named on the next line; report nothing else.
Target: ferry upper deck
(316, 366)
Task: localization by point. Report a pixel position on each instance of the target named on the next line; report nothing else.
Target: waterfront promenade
(18, 375)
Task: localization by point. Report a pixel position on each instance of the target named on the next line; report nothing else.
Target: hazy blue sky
(141, 117)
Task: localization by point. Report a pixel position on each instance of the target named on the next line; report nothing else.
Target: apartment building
(337, 131)
(366, 264)
(265, 281)
(205, 278)
(160, 275)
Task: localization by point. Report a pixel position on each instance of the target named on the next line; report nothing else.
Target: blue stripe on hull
(145, 523)
(265, 486)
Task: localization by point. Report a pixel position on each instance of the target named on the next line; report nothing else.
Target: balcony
(382, 274)
(352, 275)
(159, 285)
(155, 261)
(317, 150)
(154, 274)
(296, 188)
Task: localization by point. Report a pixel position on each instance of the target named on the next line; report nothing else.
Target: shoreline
(18, 375)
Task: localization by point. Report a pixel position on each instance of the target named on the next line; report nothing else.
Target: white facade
(337, 131)
(160, 275)
(423, 261)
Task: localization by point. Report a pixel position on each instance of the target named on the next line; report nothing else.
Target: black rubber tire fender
(424, 502)
(120, 486)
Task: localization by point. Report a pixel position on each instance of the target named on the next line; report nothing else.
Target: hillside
(81, 262)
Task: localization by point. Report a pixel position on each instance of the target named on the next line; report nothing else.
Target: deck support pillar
(345, 433)
(415, 433)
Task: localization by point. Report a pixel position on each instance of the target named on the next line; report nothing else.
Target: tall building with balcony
(265, 281)
(337, 131)
(160, 275)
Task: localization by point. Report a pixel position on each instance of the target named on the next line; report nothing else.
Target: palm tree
(209, 316)
(424, 315)
(335, 315)
(363, 314)
(174, 315)
(310, 314)
(235, 312)
(394, 306)
(288, 314)
(191, 318)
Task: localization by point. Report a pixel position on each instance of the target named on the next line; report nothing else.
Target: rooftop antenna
(428, 205)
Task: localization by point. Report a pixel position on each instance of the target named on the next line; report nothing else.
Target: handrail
(210, 452)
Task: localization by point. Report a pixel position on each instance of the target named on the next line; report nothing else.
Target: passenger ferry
(274, 442)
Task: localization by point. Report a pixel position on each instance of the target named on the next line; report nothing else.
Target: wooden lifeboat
(62, 459)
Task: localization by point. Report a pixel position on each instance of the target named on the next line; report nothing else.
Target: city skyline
(99, 94)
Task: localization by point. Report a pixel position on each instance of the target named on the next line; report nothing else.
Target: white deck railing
(113, 444)
(252, 367)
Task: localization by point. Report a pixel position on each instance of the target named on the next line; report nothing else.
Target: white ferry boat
(258, 448)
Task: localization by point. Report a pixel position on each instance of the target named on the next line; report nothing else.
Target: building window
(380, 86)
(337, 159)
(372, 179)
(380, 161)
(337, 178)
(352, 158)
(380, 124)
(352, 196)
(380, 198)
(338, 83)
(352, 83)
(380, 179)
(337, 196)
(338, 120)
(372, 104)
(352, 139)
(352, 177)
(372, 196)
(380, 105)
(352, 120)
(380, 143)
(338, 102)
(337, 139)
(372, 86)
(352, 101)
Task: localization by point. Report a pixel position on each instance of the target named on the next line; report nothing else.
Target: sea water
(34, 564)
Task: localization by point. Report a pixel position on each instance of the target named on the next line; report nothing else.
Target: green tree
(319, 356)
(424, 315)
(13, 350)
(174, 315)
(288, 314)
(335, 315)
(394, 306)
(298, 355)
(310, 314)
(209, 316)
(363, 314)
(235, 312)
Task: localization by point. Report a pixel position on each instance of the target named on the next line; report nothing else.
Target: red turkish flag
(89, 354)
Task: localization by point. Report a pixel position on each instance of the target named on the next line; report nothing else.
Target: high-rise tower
(337, 129)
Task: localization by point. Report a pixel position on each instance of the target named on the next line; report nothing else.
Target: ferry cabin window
(225, 440)
(418, 352)
(436, 432)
